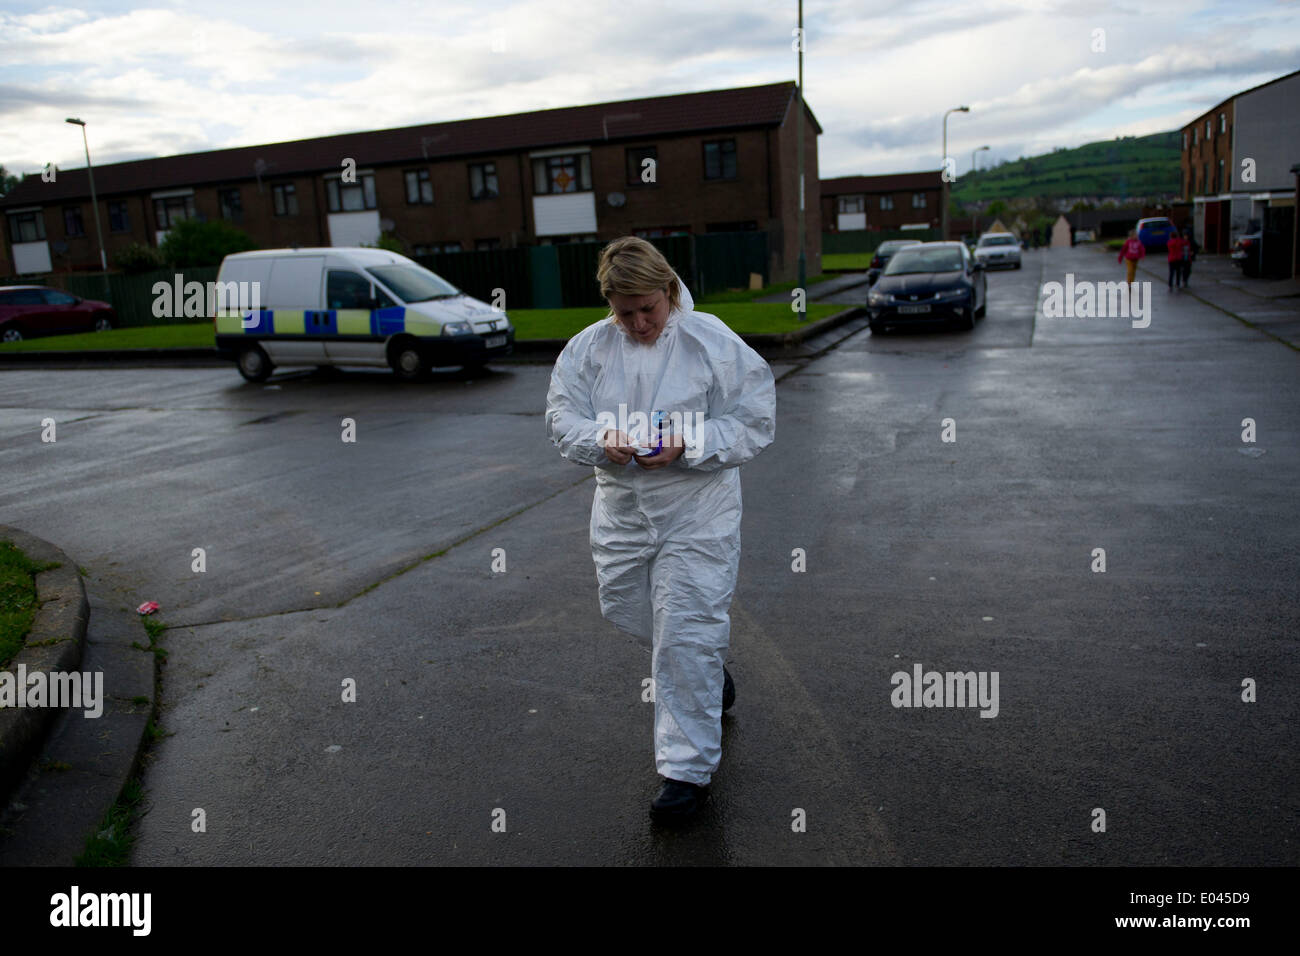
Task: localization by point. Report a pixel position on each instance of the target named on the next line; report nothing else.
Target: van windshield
(414, 283)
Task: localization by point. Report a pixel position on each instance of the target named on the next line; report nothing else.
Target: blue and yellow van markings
(315, 322)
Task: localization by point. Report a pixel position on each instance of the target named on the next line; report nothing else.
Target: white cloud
(879, 73)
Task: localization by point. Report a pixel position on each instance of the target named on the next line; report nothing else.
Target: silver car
(997, 249)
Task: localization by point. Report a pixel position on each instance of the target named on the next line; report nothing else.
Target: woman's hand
(672, 450)
(618, 448)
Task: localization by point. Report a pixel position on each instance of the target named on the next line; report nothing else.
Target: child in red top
(1130, 253)
(1176, 244)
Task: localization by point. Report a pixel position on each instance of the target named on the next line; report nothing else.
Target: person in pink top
(1130, 253)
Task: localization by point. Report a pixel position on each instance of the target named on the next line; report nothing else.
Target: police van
(349, 306)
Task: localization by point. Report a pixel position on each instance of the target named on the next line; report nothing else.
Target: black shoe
(677, 800)
(728, 690)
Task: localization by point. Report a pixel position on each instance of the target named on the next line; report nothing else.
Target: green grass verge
(17, 598)
(190, 336)
(847, 260)
(734, 308)
(746, 318)
(111, 844)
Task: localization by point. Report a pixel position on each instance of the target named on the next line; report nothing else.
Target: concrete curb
(55, 643)
(101, 356)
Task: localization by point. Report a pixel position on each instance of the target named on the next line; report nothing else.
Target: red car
(27, 311)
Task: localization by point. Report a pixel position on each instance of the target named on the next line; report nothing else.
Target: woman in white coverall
(665, 526)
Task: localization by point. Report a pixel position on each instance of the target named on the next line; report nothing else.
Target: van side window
(351, 290)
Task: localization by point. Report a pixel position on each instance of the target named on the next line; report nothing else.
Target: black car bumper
(938, 312)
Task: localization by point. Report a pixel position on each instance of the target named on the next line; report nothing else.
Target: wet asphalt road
(480, 692)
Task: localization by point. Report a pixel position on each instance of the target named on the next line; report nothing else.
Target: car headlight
(878, 298)
(950, 294)
(457, 328)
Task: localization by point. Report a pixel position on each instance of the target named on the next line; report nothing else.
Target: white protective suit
(666, 541)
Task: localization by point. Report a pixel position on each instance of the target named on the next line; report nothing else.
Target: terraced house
(694, 163)
(1237, 159)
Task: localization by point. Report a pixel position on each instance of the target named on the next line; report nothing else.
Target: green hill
(1131, 167)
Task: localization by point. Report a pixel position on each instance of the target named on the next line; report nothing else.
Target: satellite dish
(616, 199)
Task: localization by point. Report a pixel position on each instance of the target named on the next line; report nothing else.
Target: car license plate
(913, 309)
(493, 341)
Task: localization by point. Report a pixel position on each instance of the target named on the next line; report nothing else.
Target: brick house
(1236, 160)
(879, 203)
(715, 161)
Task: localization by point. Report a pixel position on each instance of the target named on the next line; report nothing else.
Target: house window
(1207, 129)
(918, 200)
(886, 202)
(562, 174)
(660, 232)
(1219, 183)
(1223, 122)
(351, 197)
(483, 182)
(1184, 140)
(26, 226)
(285, 198)
(1205, 177)
(448, 247)
(72, 225)
(1195, 131)
(118, 220)
(419, 190)
(231, 207)
(172, 210)
(481, 244)
(851, 204)
(637, 168)
(720, 159)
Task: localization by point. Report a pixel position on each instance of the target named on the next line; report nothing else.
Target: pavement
(487, 696)
(1270, 305)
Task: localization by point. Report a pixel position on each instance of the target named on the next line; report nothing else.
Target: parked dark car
(1263, 252)
(930, 282)
(884, 252)
(28, 311)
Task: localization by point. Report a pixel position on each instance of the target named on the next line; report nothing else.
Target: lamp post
(803, 262)
(943, 235)
(94, 203)
(975, 221)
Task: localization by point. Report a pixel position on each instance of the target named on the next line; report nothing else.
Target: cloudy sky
(177, 77)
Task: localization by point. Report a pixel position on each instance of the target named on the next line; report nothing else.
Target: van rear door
(294, 297)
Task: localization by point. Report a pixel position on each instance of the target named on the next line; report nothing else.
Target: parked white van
(351, 306)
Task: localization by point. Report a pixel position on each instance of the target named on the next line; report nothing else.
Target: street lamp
(944, 176)
(94, 203)
(975, 220)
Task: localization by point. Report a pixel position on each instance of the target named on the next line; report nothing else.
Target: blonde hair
(631, 266)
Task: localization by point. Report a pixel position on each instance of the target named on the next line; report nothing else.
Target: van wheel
(254, 364)
(12, 333)
(408, 360)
